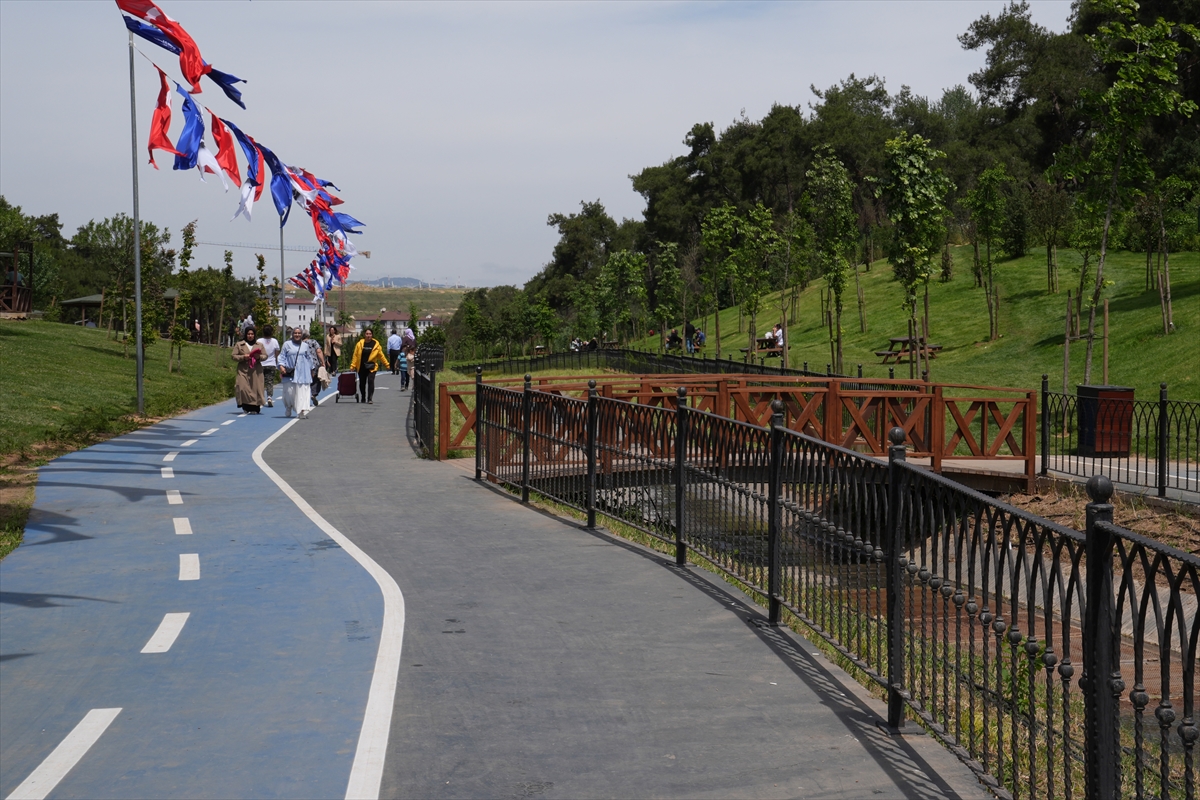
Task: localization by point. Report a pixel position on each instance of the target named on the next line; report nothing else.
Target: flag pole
(137, 240)
(282, 279)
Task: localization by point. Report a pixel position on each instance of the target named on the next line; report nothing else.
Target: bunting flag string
(288, 183)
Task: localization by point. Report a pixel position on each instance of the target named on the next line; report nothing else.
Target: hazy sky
(453, 129)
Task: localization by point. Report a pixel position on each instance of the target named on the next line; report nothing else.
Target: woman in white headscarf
(296, 365)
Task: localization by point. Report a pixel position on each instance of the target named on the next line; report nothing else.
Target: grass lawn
(1031, 326)
(66, 387)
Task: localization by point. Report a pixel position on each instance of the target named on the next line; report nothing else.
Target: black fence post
(860, 370)
(527, 423)
(1163, 424)
(681, 423)
(895, 577)
(891, 373)
(590, 500)
(479, 423)
(1101, 681)
(775, 516)
(1045, 409)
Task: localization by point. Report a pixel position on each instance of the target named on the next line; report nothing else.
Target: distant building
(302, 312)
(390, 319)
(428, 321)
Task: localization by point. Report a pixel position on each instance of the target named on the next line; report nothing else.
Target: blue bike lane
(177, 623)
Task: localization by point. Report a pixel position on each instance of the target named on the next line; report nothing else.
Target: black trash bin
(1105, 420)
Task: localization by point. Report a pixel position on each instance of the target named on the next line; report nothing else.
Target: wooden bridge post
(833, 411)
(937, 436)
(443, 422)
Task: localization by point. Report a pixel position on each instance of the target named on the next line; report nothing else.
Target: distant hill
(399, 283)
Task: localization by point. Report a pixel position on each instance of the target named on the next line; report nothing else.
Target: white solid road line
(174, 497)
(168, 472)
(189, 443)
(366, 772)
(229, 422)
(183, 526)
(171, 455)
(168, 631)
(210, 431)
(189, 567)
(64, 757)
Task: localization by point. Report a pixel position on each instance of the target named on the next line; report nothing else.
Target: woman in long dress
(296, 364)
(248, 387)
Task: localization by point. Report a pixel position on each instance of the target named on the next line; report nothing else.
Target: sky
(453, 129)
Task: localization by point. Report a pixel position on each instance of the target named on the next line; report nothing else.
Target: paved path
(539, 659)
(262, 693)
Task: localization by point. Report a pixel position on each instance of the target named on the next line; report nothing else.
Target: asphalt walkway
(256, 655)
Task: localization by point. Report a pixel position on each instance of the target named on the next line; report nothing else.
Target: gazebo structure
(16, 288)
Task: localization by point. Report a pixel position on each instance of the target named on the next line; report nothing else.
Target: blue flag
(248, 150)
(348, 223)
(226, 82)
(281, 185)
(151, 34)
(193, 132)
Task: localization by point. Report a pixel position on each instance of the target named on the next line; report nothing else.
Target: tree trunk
(1164, 279)
(862, 309)
(717, 323)
(925, 333)
(1055, 263)
(841, 370)
(1099, 285)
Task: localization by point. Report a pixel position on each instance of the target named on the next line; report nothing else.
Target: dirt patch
(1174, 524)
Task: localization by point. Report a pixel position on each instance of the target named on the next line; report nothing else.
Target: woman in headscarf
(297, 365)
(368, 357)
(248, 387)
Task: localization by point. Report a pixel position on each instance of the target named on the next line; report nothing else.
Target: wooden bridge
(982, 436)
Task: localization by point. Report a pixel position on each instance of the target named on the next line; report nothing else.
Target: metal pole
(1045, 424)
(774, 516)
(137, 240)
(895, 594)
(282, 279)
(1163, 422)
(526, 414)
(592, 410)
(681, 423)
(1101, 682)
(479, 423)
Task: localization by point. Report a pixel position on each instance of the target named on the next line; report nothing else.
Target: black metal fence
(1153, 444)
(432, 354)
(1055, 664)
(424, 405)
(640, 362)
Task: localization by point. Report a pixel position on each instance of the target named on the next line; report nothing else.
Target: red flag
(190, 62)
(225, 155)
(160, 123)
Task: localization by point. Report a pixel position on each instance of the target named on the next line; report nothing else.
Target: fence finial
(1099, 489)
(896, 436)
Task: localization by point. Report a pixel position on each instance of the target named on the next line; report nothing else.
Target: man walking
(394, 344)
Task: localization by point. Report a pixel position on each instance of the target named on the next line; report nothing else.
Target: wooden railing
(941, 421)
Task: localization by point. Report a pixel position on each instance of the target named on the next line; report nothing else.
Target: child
(402, 365)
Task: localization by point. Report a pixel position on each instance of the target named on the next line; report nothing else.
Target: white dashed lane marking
(170, 456)
(183, 526)
(168, 631)
(167, 472)
(229, 422)
(174, 497)
(189, 566)
(189, 443)
(210, 431)
(64, 757)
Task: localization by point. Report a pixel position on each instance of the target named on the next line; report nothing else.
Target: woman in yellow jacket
(368, 357)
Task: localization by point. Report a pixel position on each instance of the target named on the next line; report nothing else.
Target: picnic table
(901, 347)
(765, 346)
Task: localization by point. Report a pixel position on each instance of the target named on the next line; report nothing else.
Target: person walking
(394, 344)
(368, 357)
(270, 363)
(333, 349)
(401, 365)
(248, 386)
(314, 350)
(296, 365)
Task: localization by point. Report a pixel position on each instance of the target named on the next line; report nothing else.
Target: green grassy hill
(66, 383)
(363, 300)
(1031, 326)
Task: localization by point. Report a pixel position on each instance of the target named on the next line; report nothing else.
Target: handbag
(323, 376)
